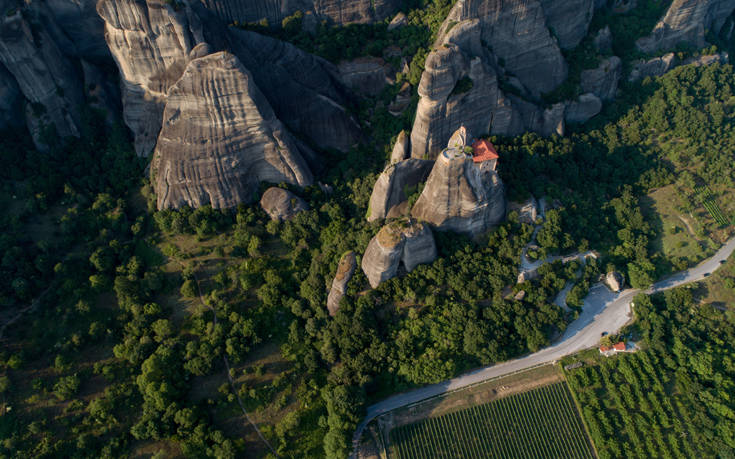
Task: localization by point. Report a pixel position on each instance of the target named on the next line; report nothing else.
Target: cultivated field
(543, 422)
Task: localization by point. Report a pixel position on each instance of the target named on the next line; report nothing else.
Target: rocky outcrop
(401, 149)
(301, 88)
(545, 121)
(460, 87)
(281, 204)
(402, 100)
(603, 41)
(47, 79)
(527, 210)
(398, 21)
(151, 42)
(10, 101)
(653, 67)
(585, 107)
(394, 186)
(687, 21)
(569, 20)
(400, 244)
(614, 281)
(461, 196)
(365, 75)
(220, 138)
(517, 33)
(76, 28)
(603, 81)
(339, 12)
(345, 270)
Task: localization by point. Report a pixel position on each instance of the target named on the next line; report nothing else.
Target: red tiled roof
(605, 348)
(619, 346)
(483, 150)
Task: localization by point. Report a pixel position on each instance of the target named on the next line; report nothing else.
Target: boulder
(398, 21)
(402, 100)
(401, 149)
(281, 204)
(220, 139)
(404, 243)
(615, 281)
(687, 21)
(365, 75)
(394, 186)
(345, 270)
(461, 195)
(569, 20)
(585, 107)
(652, 68)
(603, 41)
(603, 81)
(527, 210)
(709, 59)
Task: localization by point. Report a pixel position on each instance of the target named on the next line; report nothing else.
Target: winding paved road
(603, 311)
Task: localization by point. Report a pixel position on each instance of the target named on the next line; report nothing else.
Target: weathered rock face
(398, 243)
(101, 93)
(220, 138)
(10, 101)
(687, 21)
(516, 32)
(301, 88)
(585, 107)
(398, 21)
(544, 121)
(615, 281)
(442, 109)
(568, 19)
(461, 196)
(653, 67)
(604, 40)
(527, 210)
(401, 149)
(150, 41)
(281, 204)
(345, 270)
(274, 11)
(392, 189)
(365, 75)
(603, 81)
(44, 75)
(76, 27)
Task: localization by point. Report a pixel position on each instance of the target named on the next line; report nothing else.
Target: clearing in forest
(542, 422)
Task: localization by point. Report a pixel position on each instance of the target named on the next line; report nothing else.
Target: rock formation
(399, 243)
(585, 107)
(10, 101)
(545, 121)
(398, 21)
(150, 42)
(443, 107)
(516, 32)
(47, 79)
(461, 196)
(393, 187)
(527, 210)
(687, 21)
(365, 75)
(603, 41)
(653, 67)
(220, 138)
(614, 281)
(401, 149)
(603, 81)
(281, 204)
(339, 12)
(569, 20)
(345, 270)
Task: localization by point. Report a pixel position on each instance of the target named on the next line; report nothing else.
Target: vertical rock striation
(392, 189)
(687, 21)
(220, 138)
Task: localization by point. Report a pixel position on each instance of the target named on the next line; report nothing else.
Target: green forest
(130, 329)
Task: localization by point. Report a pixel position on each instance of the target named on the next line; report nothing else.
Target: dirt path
(689, 226)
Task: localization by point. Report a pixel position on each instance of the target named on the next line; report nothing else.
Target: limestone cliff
(569, 20)
(345, 270)
(517, 33)
(150, 41)
(444, 105)
(274, 11)
(687, 21)
(390, 194)
(220, 138)
(461, 196)
(399, 244)
(47, 78)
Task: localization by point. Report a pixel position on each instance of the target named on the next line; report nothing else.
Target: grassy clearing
(719, 288)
